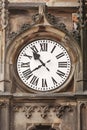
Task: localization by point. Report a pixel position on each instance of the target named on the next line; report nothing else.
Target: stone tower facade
(24, 108)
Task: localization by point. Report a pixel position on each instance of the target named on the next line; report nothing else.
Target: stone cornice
(29, 4)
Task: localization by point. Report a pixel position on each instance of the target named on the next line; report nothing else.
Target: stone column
(4, 115)
(4, 24)
(83, 33)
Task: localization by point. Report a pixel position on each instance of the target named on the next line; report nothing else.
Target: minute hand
(36, 68)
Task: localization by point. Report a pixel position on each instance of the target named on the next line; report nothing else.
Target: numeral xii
(44, 47)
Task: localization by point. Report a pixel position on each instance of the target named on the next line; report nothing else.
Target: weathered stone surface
(20, 107)
(54, 3)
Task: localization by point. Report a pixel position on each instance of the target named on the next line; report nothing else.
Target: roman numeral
(60, 73)
(44, 83)
(60, 55)
(27, 73)
(62, 64)
(27, 55)
(34, 49)
(53, 49)
(25, 64)
(44, 46)
(34, 80)
(54, 81)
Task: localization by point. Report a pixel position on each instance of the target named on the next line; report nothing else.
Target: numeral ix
(27, 74)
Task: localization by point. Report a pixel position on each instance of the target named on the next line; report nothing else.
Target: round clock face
(43, 65)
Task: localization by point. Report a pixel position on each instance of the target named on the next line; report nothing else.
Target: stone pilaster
(4, 25)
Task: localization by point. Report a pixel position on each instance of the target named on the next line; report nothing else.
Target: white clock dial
(43, 65)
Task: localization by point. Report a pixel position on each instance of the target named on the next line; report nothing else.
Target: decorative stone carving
(23, 28)
(4, 14)
(83, 105)
(37, 19)
(4, 104)
(28, 110)
(82, 13)
(16, 108)
(44, 111)
(55, 22)
(12, 35)
(76, 35)
(60, 110)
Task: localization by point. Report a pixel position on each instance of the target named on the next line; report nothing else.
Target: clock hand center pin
(39, 67)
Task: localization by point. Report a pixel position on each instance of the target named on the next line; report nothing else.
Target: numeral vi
(44, 83)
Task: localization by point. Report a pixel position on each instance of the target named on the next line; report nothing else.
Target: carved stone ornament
(59, 110)
(41, 18)
(13, 35)
(4, 14)
(23, 28)
(83, 105)
(28, 110)
(4, 104)
(44, 111)
(55, 22)
(62, 109)
(76, 35)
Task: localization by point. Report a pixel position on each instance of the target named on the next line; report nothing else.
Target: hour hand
(36, 56)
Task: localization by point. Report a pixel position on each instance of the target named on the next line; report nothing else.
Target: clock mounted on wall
(43, 65)
(43, 56)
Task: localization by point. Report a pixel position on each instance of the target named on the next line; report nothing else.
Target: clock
(43, 65)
